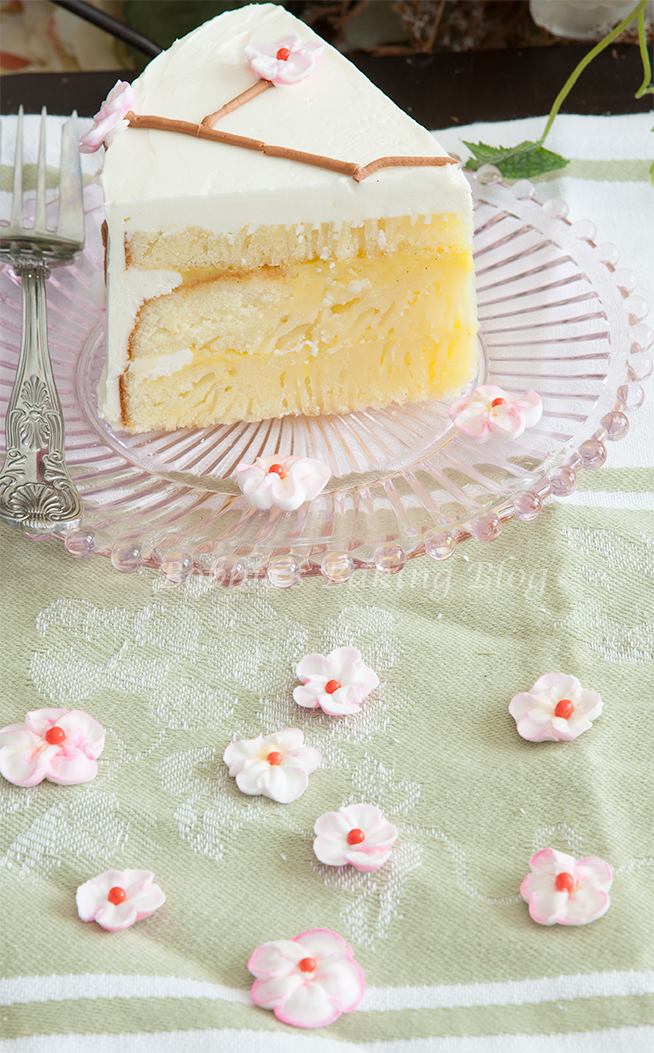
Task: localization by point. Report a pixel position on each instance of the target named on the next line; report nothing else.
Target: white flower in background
(490, 412)
(337, 682)
(118, 898)
(307, 981)
(557, 707)
(285, 62)
(286, 482)
(109, 120)
(357, 834)
(582, 19)
(277, 766)
(58, 745)
(564, 891)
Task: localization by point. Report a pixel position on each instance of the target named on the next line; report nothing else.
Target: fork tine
(71, 203)
(39, 218)
(16, 220)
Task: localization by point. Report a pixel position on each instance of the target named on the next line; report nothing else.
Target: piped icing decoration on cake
(337, 682)
(285, 62)
(58, 745)
(118, 898)
(307, 981)
(556, 708)
(491, 412)
(285, 482)
(358, 834)
(110, 120)
(277, 766)
(563, 891)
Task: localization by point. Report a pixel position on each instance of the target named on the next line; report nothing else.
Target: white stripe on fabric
(631, 499)
(614, 1040)
(25, 989)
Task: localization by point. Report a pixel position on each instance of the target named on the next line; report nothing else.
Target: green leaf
(515, 162)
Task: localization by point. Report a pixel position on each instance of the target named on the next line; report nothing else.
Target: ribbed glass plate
(556, 315)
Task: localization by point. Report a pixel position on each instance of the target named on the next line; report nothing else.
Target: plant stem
(578, 70)
(645, 88)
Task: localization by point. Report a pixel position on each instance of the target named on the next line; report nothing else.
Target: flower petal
(114, 918)
(591, 868)
(308, 695)
(548, 907)
(276, 990)
(319, 943)
(585, 905)
(27, 766)
(308, 1006)
(316, 665)
(342, 978)
(68, 768)
(275, 958)
(331, 849)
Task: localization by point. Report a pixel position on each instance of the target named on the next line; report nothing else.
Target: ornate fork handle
(36, 490)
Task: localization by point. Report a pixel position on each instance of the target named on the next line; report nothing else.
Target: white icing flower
(286, 482)
(560, 890)
(109, 120)
(357, 834)
(58, 745)
(557, 707)
(287, 61)
(491, 411)
(337, 682)
(277, 765)
(118, 898)
(307, 981)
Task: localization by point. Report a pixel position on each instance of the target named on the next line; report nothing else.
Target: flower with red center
(109, 120)
(557, 707)
(357, 834)
(58, 745)
(277, 766)
(285, 482)
(307, 981)
(118, 898)
(564, 891)
(285, 62)
(490, 412)
(337, 682)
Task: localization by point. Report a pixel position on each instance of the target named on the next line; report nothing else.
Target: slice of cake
(246, 281)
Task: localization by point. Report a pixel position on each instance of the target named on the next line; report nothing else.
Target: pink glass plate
(556, 315)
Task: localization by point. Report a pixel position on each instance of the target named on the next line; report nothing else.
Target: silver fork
(36, 490)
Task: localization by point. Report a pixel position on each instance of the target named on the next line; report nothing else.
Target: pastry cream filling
(329, 334)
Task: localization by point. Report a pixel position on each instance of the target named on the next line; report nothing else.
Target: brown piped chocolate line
(350, 168)
(245, 96)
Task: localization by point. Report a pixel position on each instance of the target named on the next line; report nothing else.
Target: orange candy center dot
(276, 469)
(55, 736)
(331, 686)
(498, 402)
(564, 882)
(356, 836)
(274, 758)
(116, 895)
(307, 965)
(564, 708)
(283, 54)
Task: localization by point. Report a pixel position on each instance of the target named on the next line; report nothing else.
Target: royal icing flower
(286, 482)
(491, 411)
(560, 890)
(277, 766)
(59, 745)
(357, 834)
(337, 682)
(557, 707)
(287, 61)
(307, 981)
(109, 120)
(118, 898)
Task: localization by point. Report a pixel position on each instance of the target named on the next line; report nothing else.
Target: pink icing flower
(118, 898)
(557, 707)
(59, 745)
(491, 411)
(337, 682)
(307, 981)
(357, 834)
(109, 120)
(286, 482)
(277, 766)
(563, 891)
(287, 61)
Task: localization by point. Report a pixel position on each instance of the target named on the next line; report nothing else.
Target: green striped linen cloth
(452, 960)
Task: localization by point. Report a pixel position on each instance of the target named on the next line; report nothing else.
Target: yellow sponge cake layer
(381, 313)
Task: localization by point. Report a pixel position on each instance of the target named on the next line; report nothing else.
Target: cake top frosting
(335, 111)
